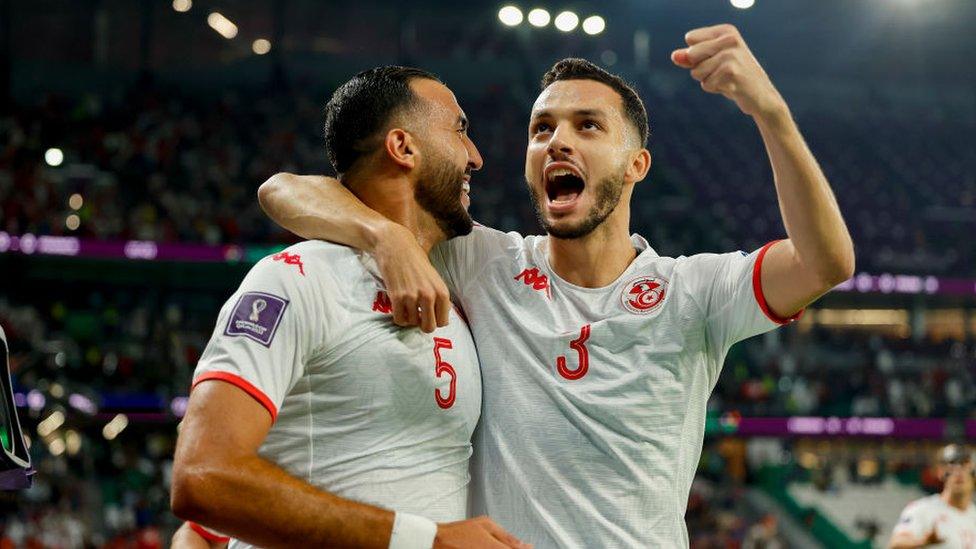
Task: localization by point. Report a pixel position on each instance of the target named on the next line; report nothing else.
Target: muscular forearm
(810, 213)
(319, 207)
(255, 501)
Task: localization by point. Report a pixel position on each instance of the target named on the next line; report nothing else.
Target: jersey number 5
(441, 367)
(579, 344)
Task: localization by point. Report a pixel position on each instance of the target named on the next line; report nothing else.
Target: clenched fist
(720, 59)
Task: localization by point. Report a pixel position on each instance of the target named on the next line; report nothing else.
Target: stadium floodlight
(72, 222)
(539, 17)
(182, 6)
(261, 46)
(54, 157)
(743, 4)
(510, 16)
(114, 427)
(225, 27)
(567, 21)
(76, 201)
(594, 24)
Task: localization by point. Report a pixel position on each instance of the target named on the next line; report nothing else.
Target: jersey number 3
(441, 367)
(579, 344)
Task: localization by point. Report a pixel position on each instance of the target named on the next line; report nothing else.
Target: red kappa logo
(290, 259)
(644, 295)
(382, 303)
(531, 277)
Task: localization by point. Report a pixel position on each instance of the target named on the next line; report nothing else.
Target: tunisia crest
(644, 295)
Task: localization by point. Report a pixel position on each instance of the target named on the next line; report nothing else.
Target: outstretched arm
(819, 253)
(318, 207)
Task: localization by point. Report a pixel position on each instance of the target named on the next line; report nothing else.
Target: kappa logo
(290, 259)
(532, 277)
(382, 303)
(644, 295)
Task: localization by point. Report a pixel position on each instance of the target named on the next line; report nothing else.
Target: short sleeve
(461, 260)
(266, 331)
(913, 520)
(729, 289)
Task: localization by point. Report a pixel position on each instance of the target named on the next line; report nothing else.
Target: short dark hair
(364, 106)
(573, 68)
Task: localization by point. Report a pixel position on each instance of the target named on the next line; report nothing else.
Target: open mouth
(563, 185)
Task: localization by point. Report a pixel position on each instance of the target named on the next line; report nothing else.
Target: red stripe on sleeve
(758, 291)
(242, 384)
(207, 534)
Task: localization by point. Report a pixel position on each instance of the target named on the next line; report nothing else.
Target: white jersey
(595, 398)
(956, 528)
(362, 408)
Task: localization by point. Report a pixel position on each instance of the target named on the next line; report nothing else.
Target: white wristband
(412, 532)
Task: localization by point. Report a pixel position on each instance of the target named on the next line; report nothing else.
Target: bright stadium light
(76, 201)
(261, 46)
(182, 6)
(225, 27)
(54, 157)
(567, 21)
(50, 424)
(743, 4)
(72, 222)
(594, 24)
(510, 16)
(114, 427)
(56, 447)
(539, 17)
(73, 442)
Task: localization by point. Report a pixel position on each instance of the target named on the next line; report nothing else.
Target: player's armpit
(787, 284)
(220, 481)
(318, 207)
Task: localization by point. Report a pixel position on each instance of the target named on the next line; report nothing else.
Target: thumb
(680, 58)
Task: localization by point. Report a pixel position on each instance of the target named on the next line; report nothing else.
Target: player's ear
(401, 148)
(640, 164)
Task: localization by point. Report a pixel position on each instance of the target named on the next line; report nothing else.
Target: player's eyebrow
(579, 113)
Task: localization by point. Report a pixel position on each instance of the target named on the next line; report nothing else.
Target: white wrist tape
(412, 532)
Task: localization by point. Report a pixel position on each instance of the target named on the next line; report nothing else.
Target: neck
(959, 500)
(391, 194)
(599, 258)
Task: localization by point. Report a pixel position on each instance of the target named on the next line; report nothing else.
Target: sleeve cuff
(758, 290)
(207, 534)
(244, 385)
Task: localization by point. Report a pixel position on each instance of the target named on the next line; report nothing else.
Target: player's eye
(590, 125)
(540, 127)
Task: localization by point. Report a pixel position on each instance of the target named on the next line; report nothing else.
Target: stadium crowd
(155, 164)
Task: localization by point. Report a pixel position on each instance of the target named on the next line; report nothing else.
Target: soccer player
(947, 519)
(598, 355)
(314, 421)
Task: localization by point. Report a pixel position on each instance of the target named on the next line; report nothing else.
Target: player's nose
(475, 162)
(559, 144)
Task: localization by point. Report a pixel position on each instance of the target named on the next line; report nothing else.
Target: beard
(608, 191)
(438, 192)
